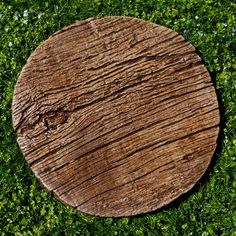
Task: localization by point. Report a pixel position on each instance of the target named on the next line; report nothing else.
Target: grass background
(26, 208)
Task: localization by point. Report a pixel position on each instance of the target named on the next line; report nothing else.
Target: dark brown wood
(116, 116)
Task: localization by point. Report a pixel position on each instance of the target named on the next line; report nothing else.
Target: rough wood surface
(116, 116)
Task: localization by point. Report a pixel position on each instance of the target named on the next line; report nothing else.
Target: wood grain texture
(116, 116)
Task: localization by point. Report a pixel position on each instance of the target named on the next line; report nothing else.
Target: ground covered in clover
(26, 208)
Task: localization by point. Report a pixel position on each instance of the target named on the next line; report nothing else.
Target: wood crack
(57, 149)
(141, 176)
(126, 157)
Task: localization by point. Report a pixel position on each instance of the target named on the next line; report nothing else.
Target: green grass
(26, 208)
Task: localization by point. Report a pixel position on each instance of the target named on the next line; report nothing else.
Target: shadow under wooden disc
(116, 116)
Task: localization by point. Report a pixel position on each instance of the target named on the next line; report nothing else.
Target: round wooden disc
(116, 116)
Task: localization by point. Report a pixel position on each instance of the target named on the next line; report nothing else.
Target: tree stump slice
(116, 116)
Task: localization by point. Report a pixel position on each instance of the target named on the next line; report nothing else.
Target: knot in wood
(54, 119)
